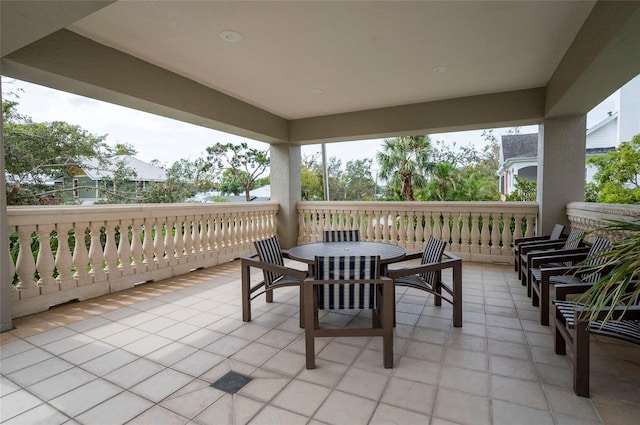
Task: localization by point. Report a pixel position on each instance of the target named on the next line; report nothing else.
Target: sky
(156, 137)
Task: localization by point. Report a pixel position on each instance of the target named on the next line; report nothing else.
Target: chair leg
(388, 315)
(309, 336)
(246, 296)
(544, 301)
(581, 359)
(437, 288)
(457, 294)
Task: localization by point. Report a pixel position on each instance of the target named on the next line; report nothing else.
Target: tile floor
(149, 355)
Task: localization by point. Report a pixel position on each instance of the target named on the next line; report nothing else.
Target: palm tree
(404, 162)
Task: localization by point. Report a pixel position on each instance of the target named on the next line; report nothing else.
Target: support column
(286, 189)
(561, 168)
(5, 280)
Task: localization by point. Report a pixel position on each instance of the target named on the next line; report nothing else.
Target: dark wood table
(388, 253)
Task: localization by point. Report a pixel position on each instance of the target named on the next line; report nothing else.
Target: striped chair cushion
(432, 254)
(595, 257)
(341, 235)
(574, 239)
(269, 252)
(346, 295)
(556, 232)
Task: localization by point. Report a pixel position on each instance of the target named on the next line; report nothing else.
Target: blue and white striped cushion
(346, 296)
(432, 254)
(341, 235)
(595, 257)
(269, 252)
(574, 239)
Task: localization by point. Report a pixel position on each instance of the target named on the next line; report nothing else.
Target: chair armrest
(569, 255)
(530, 239)
(313, 281)
(547, 245)
(564, 289)
(620, 312)
(449, 262)
(249, 261)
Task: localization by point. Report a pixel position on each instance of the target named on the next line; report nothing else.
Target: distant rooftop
(519, 146)
(143, 170)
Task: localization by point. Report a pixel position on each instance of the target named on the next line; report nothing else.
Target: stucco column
(5, 282)
(561, 168)
(286, 189)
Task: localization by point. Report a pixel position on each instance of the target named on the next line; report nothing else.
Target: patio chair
(341, 235)
(270, 259)
(349, 282)
(624, 325)
(573, 244)
(555, 234)
(580, 270)
(427, 276)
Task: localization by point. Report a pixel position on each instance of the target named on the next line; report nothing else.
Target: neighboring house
(88, 181)
(519, 152)
(260, 194)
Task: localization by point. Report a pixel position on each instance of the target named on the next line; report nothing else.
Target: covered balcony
(290, 74)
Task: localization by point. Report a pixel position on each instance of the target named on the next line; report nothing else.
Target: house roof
(143, 171)
(611, 117)
(519, 146)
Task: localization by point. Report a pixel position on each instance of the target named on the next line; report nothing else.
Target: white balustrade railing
(68, 253)
(475, 231)
(589, 216)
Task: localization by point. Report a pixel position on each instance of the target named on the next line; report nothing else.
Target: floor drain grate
(231, 382)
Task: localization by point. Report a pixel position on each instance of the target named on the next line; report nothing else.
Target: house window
(76, 192)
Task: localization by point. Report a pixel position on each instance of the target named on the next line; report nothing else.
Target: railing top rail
(530, 207)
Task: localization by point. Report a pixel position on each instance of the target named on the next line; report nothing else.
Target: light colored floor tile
(277, 338)
(133, 373)
(192, 399)
(342, 408)
(227, 345)
(470, 359)
(172, 353)
(147, 345)
(339, 353)
(16, 403)
(363, 383)
(526, 393)
(198, 363)
(201, 338)
(273, 415)
(158, 415)
(326, 373)
(109, 362)
(467, 380)
(14, 347)
(286, 362)
(50, 336)
(61, 383)
(513, 368)
(230, 409)
(85, 397)
(448, 406)
(105, 330)
(425, 351)
(6, 386)
(255, 353)
(505, 413)
(87, 352)
(119, 409)
(40, 415)
(67, 344)
(161, 385)
(301, 397)
(418, 370)
(265, 387)
(39, 371)
(125, 337)
(388, 415)
(564, 401)
(23, 360)
(410, 395)
(178, 331)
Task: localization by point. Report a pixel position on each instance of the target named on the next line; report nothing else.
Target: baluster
(188, 241)
(147, 241)
(484, 234)
(218, 232)
(531, 228)
(80, 255)
(204, 242)
(418, 233)
(475, 233)
(465, 243)
(178, 238)
(25, 263)
(158, 243)
(517, 232)
(124, 248)
(137, 251)
(393, 229)
(506, 235)
(211, 234)
(45, 264)
(169, 247)
(446, 229)
(495, 234)
(455, 232)
(195, 235)
(110, 248)
(96, 254)
(12, 266)
(437, 225)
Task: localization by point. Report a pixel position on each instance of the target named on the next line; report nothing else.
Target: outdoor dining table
(388, 253)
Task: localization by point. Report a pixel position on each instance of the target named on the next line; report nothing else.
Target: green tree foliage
(230, 184)
(524, 191)
(185, 178)
(247, 164)
(123, 149)
(311, 178)
(617, 180)
(39, 152)
(403, 164)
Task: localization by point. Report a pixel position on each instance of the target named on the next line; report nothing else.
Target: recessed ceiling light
(440, 69)
(230, 36)
(316, 92)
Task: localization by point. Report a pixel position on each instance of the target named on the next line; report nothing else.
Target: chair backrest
(341, 235)
(557, 232)
(344, 268)
(574, 239)
(269, 252)
(432, 254)
(595, 258)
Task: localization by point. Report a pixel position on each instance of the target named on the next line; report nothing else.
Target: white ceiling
(362, 55)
